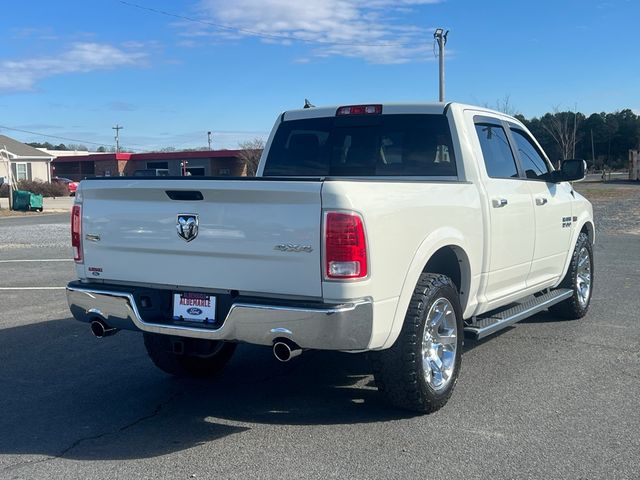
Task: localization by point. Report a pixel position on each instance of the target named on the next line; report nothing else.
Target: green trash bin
(26, 201)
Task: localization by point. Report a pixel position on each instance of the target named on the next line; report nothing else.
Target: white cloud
(376, 30)
(20, 75)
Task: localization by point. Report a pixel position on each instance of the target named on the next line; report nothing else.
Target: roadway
(545, 399)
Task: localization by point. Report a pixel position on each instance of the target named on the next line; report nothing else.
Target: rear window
(363, 145)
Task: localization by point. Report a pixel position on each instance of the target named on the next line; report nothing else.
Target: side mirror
(572, 170)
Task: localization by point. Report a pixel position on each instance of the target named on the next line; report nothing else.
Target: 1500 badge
(566, 222)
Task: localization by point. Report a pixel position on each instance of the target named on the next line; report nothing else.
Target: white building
(65, 153)
(22, 162)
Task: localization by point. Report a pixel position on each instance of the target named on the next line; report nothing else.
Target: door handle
(499, 202)
(541, 201)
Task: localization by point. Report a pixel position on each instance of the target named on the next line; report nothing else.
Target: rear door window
(360, 145)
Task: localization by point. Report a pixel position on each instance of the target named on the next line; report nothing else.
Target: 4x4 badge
(187, 225)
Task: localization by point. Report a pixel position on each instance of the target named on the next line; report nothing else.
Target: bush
(41, 188)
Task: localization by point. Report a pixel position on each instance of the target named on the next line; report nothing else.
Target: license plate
(194, 307)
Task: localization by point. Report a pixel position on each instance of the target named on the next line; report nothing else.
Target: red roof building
(208, 163)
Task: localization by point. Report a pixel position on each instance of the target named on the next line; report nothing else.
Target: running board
(484, 326)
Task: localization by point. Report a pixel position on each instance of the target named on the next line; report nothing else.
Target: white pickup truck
(393, 229)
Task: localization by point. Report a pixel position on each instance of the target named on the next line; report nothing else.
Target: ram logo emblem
(187, 226)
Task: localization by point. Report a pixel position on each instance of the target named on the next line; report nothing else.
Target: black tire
(572, 308)
(399, 371)
(188, 357)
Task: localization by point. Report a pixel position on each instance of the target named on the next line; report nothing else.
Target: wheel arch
(588, 228)
(583, 225)
(452, 261)
(445, 252)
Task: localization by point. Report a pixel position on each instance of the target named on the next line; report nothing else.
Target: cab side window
(498, 157)
(533, 163)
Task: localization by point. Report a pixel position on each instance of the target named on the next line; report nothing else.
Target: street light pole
(441, 37)
(209, 139)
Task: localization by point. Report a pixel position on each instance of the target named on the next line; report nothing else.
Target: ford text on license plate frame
(194, 307)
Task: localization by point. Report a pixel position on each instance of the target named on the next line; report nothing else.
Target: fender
(442, 237)
(583, 219)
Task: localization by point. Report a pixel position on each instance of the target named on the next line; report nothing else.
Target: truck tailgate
(130, 234)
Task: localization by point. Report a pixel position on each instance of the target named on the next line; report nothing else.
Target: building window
(151, 165)
(195, 171)
(21, 172)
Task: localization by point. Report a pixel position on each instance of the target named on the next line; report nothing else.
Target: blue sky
(75, 68)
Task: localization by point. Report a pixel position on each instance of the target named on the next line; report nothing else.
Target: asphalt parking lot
(545, 399)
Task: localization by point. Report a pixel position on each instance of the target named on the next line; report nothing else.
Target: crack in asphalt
(156, 411)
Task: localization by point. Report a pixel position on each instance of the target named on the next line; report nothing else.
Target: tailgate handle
(188, 195)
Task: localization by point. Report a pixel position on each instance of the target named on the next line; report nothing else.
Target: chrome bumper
(330, 327)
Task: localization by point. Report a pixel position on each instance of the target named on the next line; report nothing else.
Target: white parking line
(32, 288)
(39, 260)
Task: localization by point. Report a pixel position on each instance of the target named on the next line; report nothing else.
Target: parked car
(391, 229)
(72, 186)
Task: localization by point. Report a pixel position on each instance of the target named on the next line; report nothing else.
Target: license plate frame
(194, 307)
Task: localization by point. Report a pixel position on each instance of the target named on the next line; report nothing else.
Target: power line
(55, 136)
(254, 33)
(87, 142)
(40, 134)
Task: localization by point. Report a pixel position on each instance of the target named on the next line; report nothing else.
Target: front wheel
(420, 370)
(579, 278)
(188, 357)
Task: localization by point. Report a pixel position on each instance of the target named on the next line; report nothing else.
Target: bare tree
(250, 154)
(562, 127)
(504, 105)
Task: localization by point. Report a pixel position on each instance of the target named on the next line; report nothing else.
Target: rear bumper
(326, 327)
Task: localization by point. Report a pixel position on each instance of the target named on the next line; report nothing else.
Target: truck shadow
(66, 394)
(542, 317)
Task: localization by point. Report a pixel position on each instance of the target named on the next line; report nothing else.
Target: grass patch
(606, 191)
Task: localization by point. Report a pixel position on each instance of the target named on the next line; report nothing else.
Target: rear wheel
(188, 357)
(579, 278)
(420, 370)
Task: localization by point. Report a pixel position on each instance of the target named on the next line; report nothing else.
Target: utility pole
(593, 151)
(209, 139)
(440, 36)
(117, 128)
(575, 129)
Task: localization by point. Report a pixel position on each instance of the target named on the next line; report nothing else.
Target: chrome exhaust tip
(285, 350)
(100, 329)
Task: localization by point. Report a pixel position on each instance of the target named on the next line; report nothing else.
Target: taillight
(76, 232)
(345, 254)
(360, 110)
